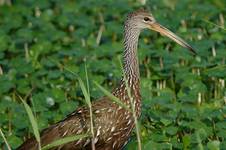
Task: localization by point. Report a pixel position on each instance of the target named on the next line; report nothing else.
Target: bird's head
(142, 19)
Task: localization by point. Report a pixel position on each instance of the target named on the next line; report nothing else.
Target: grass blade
(64, 141)
(84, 91)
(32, 120)
(87, 81)
(90, 112)
(7, 144)
(87, 99)
(207, 21)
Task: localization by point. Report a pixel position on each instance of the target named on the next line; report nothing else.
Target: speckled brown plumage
(112, 123)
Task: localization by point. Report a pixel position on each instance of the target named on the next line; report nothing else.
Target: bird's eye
(147, 19)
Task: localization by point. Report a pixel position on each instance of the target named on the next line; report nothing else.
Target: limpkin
(112, 123)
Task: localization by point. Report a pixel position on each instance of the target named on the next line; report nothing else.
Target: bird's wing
(78, 122)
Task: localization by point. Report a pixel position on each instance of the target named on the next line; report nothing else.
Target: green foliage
(183, 97)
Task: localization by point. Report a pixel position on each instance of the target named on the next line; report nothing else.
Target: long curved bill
(164, 31)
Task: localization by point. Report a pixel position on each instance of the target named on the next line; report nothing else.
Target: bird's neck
(131, 78)
(130, 58)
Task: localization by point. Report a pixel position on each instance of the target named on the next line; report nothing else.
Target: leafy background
(183, 96)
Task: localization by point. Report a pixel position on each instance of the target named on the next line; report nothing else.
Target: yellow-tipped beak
(164, 31)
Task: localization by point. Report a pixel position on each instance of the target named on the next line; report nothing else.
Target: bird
(112, 123)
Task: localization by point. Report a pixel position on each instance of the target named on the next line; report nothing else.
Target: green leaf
(67, 107)
(58, 94)
(4, 41)
(213, 145)
(186, 141)
(166, 122)
(4, 80)
(171, 130)
(64, 141)
(14, 141)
